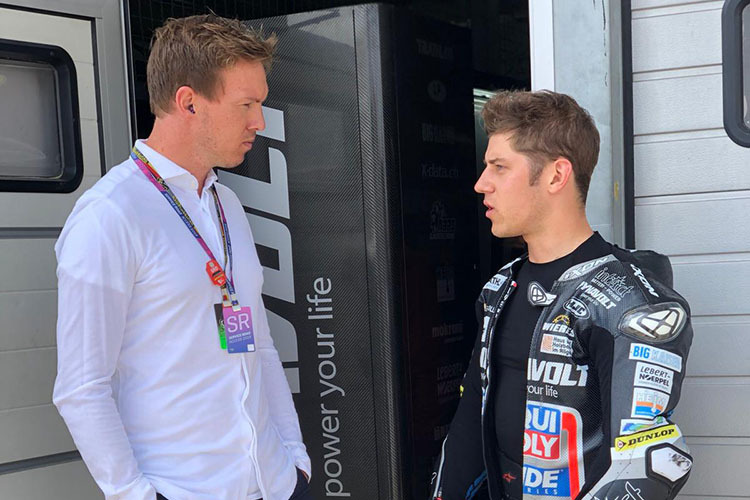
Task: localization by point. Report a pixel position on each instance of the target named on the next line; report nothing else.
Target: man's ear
(562, 174)
(184, 100)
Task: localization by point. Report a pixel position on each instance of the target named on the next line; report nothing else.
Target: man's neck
(173, 145)
(557, 238)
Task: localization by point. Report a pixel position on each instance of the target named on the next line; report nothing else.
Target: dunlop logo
(645, 438)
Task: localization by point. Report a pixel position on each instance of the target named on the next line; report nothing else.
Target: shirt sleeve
(96, 271)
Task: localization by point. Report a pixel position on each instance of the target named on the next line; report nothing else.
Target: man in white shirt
(167, 376)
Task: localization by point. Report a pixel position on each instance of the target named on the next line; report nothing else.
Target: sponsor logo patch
(648, 403)
(579, 270)
(615, 284)
(561, 324)
(628, 426)
(553, 451)
(546, 482)
(670, 463)
(652, 354)
(655, 323)
(541, 438)
(639, 274)
(594, 295)
(496, 282)
(646, 438)
(557, 373)
(577, 308)
(538, 296)
(632, 492)
(557, 344)
(653, 376)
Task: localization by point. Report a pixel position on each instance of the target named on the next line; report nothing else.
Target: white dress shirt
(152, 401)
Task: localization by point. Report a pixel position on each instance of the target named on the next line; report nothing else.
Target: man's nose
(482, 186)
(258, 121)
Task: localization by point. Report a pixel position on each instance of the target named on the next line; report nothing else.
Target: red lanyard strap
(213, 269)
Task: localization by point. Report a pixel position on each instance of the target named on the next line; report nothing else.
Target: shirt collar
(171, 171)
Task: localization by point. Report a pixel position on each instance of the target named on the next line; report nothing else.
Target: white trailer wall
(692, 198)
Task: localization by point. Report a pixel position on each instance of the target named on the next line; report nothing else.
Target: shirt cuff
(141, 489)
(300, 457)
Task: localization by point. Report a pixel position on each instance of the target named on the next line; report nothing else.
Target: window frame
(68, 115)
(732, 74)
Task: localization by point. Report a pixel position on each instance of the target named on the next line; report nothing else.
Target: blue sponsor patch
(496, 282)
(546, 482)
(655, 355)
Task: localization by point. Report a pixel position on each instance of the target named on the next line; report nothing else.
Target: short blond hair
(193, 50)
(544, 126)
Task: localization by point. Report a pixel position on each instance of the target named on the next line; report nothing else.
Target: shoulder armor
(654, 323)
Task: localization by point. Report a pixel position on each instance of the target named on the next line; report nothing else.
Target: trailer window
(745, 64)
(39, 125)
(736, 70)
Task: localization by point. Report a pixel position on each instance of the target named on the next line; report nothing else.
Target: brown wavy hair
(544, 126)
(193, 50)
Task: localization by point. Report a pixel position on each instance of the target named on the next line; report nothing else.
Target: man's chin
(232, 164)
(499, 232)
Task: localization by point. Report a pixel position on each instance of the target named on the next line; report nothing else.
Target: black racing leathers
(606, 364)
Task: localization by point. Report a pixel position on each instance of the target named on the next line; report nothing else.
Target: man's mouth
(490, 208)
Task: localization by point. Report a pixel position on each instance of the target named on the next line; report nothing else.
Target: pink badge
(238, 327)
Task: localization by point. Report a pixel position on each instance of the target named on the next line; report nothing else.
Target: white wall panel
(690, 165)
(720, 469)
(70, 481)
(675, 104)
(714, 406)
(717, 346)
(715, 287)
(655, 39)
(16, 209)
(27, 319)
(27, 264)
(694, 224)
(32, 432)
(86, 91)
(28, 377)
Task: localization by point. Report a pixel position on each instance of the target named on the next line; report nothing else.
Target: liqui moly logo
(553, 451)
(541, 438)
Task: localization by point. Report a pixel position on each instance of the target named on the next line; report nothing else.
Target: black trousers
(301, 491)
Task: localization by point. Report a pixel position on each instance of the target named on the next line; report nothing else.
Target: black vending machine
(359, 194)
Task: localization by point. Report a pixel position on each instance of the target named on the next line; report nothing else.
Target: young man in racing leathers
(582, 346)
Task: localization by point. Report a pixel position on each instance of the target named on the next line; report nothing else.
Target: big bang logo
(553, 451)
